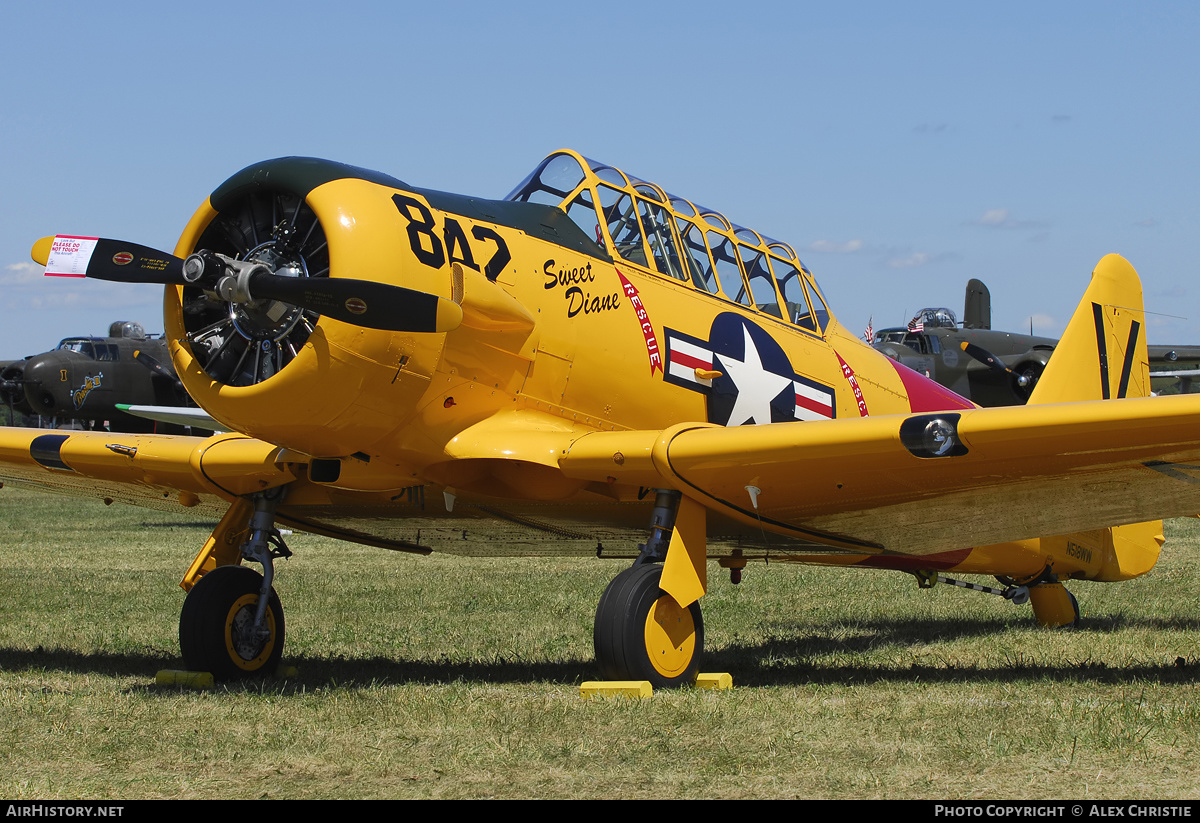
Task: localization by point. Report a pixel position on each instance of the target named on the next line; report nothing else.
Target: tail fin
(977, 306)
(1102, 354)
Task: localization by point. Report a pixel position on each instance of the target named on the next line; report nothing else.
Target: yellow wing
(156, 471)
(928, 483)
(879, 484)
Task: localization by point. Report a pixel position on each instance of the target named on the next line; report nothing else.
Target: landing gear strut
(232, 621)
(641, 632)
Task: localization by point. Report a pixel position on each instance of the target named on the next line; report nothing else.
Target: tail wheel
(245, 344)
(1053, 605)
(641, 633)
(216, 625)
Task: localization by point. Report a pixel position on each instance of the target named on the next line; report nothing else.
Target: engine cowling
(282, 373)
(12, 387)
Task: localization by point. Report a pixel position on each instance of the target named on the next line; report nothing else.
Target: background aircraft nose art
(745, 375)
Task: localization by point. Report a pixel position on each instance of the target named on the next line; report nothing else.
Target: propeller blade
(359, 302)
(362, 302)
(984, 356)
(103, 259)
(993, 362)
(153, 365)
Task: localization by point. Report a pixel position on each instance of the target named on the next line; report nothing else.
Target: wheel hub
(670, 637)
(248, 647)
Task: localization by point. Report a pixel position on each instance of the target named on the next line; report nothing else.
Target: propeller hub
(263, 320)
(239, 334)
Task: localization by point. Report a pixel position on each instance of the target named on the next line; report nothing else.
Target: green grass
(454, 677)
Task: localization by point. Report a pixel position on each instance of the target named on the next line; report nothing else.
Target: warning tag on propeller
(69, 256)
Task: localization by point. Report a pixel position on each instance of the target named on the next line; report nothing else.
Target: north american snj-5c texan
(595, 367)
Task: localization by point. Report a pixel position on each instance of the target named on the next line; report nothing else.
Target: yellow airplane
(595, 367)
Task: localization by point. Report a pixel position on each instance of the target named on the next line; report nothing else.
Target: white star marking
(756, 387)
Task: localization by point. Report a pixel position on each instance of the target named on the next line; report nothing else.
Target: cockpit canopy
(638, 222)
(91, 347)
(940, 318)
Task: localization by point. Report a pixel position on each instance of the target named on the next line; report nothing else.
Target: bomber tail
(977, 306)
(1102, 356)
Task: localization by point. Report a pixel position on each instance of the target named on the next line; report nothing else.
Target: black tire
(214, 621)
(641, 633)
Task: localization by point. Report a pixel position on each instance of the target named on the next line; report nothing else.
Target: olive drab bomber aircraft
(96, 381)
(595, 367)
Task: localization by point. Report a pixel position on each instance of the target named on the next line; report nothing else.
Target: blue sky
(902, 148)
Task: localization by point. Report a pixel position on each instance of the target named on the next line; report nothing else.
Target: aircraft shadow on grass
(793, 660)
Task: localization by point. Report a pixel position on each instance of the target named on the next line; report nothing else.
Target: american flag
(869, 334)
(916, 325)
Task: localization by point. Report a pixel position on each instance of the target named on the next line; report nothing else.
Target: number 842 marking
(453, 246)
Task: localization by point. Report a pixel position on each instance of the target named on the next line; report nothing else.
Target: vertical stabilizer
(1102, 354)
(977, 306)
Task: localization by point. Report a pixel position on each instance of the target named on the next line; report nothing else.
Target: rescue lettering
(635, 300)
(848, 373)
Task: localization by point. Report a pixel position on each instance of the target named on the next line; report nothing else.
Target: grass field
(450, 677)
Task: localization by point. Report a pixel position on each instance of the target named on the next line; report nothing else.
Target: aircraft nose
(40, 379)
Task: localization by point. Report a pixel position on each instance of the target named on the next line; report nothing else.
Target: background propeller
(1023, 381)
(156, 367)
(12, 389)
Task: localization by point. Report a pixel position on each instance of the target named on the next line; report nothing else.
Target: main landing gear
(218, 627)
(641, 632)
(232, 621)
